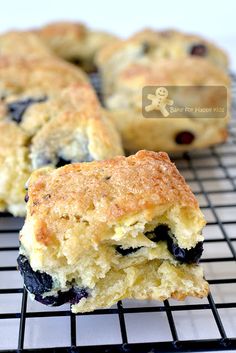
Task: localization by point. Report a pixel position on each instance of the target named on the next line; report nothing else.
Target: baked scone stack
(166, 58)
(98, 232)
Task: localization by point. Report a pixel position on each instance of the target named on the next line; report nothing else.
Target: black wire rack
(212, 176)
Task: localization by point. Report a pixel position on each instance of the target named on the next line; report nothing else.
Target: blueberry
(159, 233)
(125, 252)
(183, 255)
(146, 47)
(76, 61)
(198, 49)
(76, 294)
(61, 162)
(35, 281)
(162, 232)
(16, 109)
(26, 197)
(72, 296)
(184, 138)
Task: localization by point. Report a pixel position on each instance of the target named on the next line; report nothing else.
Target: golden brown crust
(191, 71)
(23, 44)
(79, 129)
(81, 215)
(11, 132)
(162, 44)
(43, 76)
(113, 188)
(124, 99)
(74, 42)
(52, 30)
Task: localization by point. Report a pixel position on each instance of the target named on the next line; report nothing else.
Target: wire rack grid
(133, 326)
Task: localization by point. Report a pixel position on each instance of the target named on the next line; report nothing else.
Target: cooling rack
(133, 326)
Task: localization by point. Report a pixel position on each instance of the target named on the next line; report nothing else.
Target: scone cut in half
(99, 232)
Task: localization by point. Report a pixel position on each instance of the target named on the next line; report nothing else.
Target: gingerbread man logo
(159, 101)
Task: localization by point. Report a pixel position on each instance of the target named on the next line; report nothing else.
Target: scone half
(99, 232)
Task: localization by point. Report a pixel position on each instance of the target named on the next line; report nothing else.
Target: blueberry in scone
(17, 108)
(176, 44)
(27, 83)
(150, 46)
(184, 138)
(127, 227)
(172, 134)
(37, 283)
(78, 130)
(198, 49)
(49, 114)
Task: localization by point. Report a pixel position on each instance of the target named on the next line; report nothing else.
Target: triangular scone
(99, 232)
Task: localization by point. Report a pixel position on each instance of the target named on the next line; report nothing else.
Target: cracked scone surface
(99, 232)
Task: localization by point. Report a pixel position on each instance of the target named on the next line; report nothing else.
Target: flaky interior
(96, 265)
(150, 280)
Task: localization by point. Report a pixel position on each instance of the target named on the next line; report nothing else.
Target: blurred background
(213, 19)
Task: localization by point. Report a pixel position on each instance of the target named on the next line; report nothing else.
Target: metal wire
(222, 342)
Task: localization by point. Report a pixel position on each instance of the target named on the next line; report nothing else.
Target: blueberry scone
(23, 44)
(170, 134)
(66, 128)
(27, 83)
(78, 130)
(74, 42)
(149, 46)
(98, 232)
(176, 44)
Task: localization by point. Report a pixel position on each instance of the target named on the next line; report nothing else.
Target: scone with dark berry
(176, 44)
(78, 130)
(149, 46)
(27, 83)
(98, 232)
(189, 83)
(66, 128)
(23, 44)
(75, 42)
